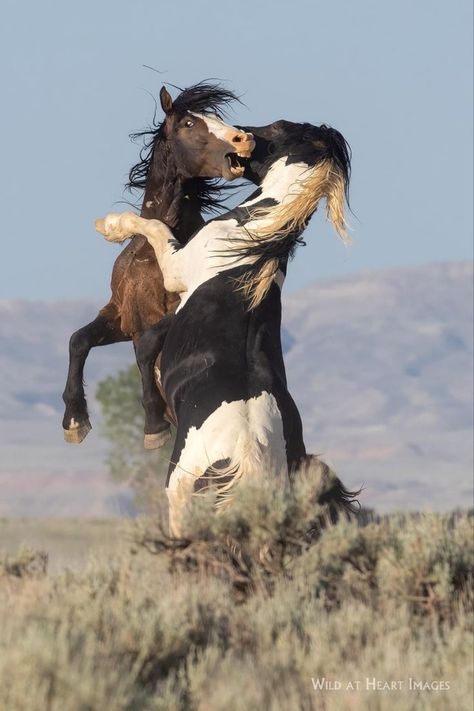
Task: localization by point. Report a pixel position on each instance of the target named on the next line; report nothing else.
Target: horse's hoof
(155, 441)
(77, 431)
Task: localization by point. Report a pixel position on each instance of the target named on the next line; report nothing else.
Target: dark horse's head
(184, 154)
(192, 142)
(203, 145)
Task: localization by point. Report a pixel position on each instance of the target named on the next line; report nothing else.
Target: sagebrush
(246, 613)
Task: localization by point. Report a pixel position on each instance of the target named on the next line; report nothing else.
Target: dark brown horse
(181, 158)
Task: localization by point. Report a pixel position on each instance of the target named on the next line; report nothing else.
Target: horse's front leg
(100, 332)
(147, 350)
(170, 255)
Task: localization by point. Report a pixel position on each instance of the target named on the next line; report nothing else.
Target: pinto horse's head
(328, 157)
(310, 164)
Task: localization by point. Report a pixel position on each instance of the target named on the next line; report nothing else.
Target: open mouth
(235, 167)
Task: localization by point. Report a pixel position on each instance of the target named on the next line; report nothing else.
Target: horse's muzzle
(243, 143)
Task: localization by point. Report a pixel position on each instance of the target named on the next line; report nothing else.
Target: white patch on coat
(248, 432)
(281, 182)
(204, 257)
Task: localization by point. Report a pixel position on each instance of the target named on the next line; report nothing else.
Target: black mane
(154, 154)
(340, 153)
(281, 250)
(204, 98)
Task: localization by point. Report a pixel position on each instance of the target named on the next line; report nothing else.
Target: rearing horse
(221, 365)
(181, 155)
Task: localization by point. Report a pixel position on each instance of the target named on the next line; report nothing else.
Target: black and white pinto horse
(222, 368)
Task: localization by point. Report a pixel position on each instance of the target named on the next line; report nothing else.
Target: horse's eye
(189, 124)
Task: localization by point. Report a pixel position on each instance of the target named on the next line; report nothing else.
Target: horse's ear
(166, 100)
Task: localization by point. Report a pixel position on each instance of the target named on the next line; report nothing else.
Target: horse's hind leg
(148, 347)
(100, 332)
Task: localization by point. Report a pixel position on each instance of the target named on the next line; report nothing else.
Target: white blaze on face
(217, 127)
(248, 432)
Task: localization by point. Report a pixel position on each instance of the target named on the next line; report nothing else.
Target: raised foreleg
(117, 227)
(100, 332)
(157, 430)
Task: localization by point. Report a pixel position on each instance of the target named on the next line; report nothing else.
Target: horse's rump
(246, 435)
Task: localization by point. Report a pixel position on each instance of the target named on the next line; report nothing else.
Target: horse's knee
(147, 348)
(79, 343)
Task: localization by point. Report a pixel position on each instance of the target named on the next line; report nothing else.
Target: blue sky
(394, 77)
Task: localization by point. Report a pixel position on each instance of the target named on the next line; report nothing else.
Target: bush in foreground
(251, 611)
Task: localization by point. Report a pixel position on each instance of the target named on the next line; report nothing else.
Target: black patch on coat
(244, 214)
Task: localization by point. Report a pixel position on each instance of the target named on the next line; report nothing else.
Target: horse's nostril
(237, 139)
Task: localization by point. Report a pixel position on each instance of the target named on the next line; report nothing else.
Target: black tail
(329, 491)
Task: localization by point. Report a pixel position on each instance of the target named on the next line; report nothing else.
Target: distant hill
(380, 365)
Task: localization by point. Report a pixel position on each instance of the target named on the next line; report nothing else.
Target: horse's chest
(209, 253)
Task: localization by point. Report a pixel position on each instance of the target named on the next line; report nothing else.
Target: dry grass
(244, 614)
(68, 542)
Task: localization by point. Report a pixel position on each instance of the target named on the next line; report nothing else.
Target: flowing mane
(204, 98)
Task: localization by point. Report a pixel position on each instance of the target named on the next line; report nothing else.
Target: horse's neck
(280, 184)
(259, 232)
(190, 219)
(174, 205)
(159, 198)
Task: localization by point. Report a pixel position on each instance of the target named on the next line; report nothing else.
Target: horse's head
(322, 149)
(201, 143)
(297, 165)
(183, 154)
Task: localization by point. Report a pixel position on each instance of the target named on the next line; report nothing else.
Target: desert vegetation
(257, 608)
